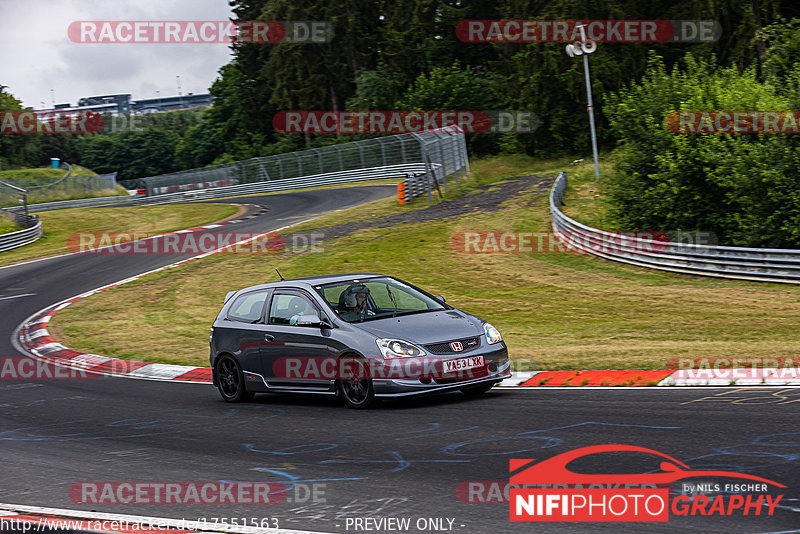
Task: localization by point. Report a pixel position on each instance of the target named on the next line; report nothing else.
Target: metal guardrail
(13, 240)
(757, 264)
(378, 173)
(439, 154)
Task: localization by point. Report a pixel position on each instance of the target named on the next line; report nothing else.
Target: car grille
(469, 343)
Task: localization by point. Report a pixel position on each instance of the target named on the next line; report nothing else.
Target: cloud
(37, 55)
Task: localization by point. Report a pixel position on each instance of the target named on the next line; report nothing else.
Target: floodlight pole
(574, 50)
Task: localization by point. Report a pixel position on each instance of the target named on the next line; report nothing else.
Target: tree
(454, 88)
(744, 188)
(17, 149)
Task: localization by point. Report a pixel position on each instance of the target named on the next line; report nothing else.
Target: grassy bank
(556, 310)
(7, 225)
(58, 225)
(33, 179)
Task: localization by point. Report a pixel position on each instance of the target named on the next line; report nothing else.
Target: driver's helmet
(349, 295)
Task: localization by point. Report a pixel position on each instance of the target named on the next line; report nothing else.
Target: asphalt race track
(404, 459)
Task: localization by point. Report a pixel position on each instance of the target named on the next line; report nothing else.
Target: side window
(332, 294)
(248, 307)
(287, 307)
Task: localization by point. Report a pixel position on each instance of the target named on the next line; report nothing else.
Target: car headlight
(492, 334)
(397, 348)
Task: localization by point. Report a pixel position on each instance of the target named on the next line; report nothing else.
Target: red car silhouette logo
(554, 470)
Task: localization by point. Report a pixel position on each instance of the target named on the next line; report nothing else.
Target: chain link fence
(38, 189)
(443, 152)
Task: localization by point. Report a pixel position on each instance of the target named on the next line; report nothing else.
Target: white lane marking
(134, 519)
(17, 296)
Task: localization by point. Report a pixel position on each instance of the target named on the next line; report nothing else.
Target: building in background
(121, 104)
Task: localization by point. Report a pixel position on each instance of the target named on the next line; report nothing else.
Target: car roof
(306, 281)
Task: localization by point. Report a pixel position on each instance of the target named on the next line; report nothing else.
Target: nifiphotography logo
(549, 491)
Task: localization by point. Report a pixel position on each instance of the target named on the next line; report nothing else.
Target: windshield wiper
(393, 300)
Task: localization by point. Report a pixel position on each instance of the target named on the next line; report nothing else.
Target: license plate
(452, 366)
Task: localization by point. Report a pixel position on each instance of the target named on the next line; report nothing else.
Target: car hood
(429, 327)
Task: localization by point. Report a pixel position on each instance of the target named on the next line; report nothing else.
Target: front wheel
(477, 391)
(230, 380)
(356, 389)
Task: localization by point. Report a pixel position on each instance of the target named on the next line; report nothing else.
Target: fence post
(383, 151)
(319, 155)
(443, 161)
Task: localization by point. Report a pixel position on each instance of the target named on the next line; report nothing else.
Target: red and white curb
(33, 337)
(23, 519)
(740, 376)
(261, 211)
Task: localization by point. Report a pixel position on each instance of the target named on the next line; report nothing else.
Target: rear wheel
(356, 388)
(230, 380)
(476, 391)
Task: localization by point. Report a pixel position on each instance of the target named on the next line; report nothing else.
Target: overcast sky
(36, 55)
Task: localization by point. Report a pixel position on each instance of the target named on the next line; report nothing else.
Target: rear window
(248, 307)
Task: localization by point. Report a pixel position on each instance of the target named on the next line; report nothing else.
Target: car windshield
(376, 298)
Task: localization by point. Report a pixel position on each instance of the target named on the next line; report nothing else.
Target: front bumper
(496, 369)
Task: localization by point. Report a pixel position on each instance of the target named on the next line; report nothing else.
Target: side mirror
(441, 298)
(312, 320)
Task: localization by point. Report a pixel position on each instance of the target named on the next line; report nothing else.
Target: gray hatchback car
(359, 336)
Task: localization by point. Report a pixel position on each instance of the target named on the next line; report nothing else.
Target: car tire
(230, 380)
(476, 391)
(356, 392)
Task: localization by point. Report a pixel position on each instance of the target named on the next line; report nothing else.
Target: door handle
(269, 337)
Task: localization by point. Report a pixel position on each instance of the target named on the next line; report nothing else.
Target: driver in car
(353, 304)
(299, 307)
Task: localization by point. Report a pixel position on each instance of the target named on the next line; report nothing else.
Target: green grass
(556, 310)
(59, 225)
(42, 174)
(32, 178)
(7, 225)
(584, 200)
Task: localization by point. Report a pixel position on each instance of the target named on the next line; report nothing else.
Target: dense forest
(407, 55)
